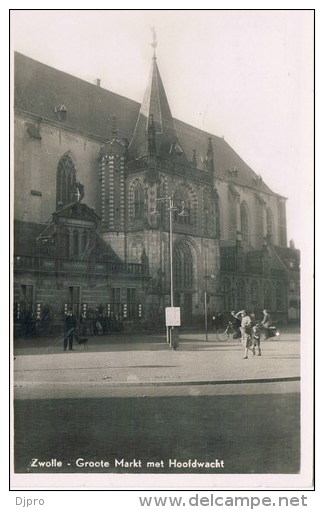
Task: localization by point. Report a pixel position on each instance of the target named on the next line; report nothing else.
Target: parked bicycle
(230, 332)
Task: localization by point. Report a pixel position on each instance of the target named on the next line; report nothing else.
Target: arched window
(279, 296)
(65, 182)
(269, 222)
(254, 294)
(181, 200)
(267, 296)
(138, 201)
(241, 299)
(227, 293)
(244, 224)
(75, 243)
(183, 266)
(136, 250)
(84, 243)
(209, 218)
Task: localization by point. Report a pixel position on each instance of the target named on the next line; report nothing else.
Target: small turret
(114, 129)
(210, 156)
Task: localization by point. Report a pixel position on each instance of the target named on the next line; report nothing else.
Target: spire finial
(154, 43)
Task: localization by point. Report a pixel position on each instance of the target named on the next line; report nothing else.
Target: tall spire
(155, 110)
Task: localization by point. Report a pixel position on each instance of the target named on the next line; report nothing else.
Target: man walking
(69, 327)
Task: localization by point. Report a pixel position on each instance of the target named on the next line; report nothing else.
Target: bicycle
(223, 335)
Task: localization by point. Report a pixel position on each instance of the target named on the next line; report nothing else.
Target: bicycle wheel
(222, 336)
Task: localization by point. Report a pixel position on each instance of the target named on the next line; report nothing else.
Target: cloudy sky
(245, 75)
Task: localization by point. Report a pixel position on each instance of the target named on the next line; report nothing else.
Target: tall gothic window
(208, 217)
(269, 222)
(254, 294)
(267, 295)
(227, 293)
(75, 243)
(279, 296)
(241, 298)
(65, 182)
(282, 223)
(183, 266)
(138, 201)
(244, 224)
(181, 200)
(85, 238)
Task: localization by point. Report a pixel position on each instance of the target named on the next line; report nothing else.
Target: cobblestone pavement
(138, 362)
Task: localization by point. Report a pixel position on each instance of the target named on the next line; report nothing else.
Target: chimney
(97, 82)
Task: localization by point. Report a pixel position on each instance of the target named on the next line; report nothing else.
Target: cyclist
(266, 323)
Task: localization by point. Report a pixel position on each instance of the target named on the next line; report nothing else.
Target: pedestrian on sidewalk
(246, 331)
(256, 335)
(266, 323)
(69, 329)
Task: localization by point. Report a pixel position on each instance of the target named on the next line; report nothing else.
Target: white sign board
(172, 316)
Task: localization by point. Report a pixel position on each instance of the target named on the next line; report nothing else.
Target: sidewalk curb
(173, 383)
(205, 383)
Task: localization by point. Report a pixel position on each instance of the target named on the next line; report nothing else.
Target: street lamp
(205, 304)
(171, 209)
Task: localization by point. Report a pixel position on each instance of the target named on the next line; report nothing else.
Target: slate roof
(39, 88)
(155, 107)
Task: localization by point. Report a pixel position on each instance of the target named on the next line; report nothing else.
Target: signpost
(172, 319)
(172, 316)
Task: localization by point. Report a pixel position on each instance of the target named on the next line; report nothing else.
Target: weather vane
(154, 43)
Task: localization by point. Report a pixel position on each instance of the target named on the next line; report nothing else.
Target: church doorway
(187, 309)
(184, 301)
(184, 280)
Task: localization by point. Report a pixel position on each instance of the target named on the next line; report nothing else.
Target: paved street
(136, 360)
(135, 398)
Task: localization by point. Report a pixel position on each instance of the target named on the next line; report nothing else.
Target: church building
(121, 210)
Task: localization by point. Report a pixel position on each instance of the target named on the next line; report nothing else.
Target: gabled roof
(76, 209)
(39, 89)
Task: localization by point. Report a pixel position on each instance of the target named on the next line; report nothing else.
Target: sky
(246, 75)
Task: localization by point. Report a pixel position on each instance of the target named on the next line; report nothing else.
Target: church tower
(112, 189)
(159, 173)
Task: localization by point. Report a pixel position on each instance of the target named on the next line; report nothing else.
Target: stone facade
(125, 164)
